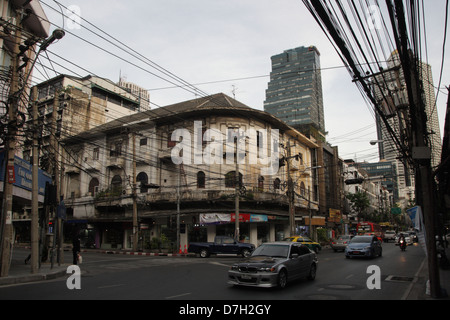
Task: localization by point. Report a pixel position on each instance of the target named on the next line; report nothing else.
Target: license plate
(356, 252)
(246, 277)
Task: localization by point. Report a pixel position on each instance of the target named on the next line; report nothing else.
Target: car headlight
(271, 269)
(367, 248)
(235, 268)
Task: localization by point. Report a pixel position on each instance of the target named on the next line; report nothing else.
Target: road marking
(349, 276)
(220, 264)
(179, 295)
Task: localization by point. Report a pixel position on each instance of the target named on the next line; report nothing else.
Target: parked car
(341, 242)
(221, 244)
(364, 246)
(275, 264)
(314, 246)
(389, 235)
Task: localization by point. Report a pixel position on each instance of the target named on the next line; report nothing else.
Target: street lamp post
(15, 92)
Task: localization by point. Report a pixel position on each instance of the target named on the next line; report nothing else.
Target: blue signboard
(23, 174)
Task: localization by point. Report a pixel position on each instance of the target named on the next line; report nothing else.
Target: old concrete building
(182, 160)
(68, 105)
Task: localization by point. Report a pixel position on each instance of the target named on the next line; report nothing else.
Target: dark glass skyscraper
(294, 93)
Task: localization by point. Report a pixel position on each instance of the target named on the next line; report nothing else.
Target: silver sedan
(274, 264)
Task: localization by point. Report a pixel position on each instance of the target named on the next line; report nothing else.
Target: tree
(359, 202)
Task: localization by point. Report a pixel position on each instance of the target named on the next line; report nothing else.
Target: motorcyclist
(402, 240)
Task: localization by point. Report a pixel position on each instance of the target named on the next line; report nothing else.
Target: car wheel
(312, 272)
(245, 253)
(204, 253)
(282, 278)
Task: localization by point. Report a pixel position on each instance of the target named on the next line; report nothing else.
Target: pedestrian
(76, 248)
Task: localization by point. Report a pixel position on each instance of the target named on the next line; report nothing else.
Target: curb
(11, 280)
(148, 254)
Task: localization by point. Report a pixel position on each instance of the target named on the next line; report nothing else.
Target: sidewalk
(19, 272)
(418, 289)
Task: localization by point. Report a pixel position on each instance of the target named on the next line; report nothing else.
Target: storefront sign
(258, 218)
(21, 175)
(214, 218)
(11, 175)
(243, 217)
(315, 221)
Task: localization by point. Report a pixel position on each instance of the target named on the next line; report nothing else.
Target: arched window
(201, 181)
(116, 185)
(230, 179)
(261, 184)
(142, 181)
(302, 189)
(93, 186)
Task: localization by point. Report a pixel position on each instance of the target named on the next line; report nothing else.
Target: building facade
(294, 93)
(180, 161)
(26, 22)
(68, 105)
(390, 91)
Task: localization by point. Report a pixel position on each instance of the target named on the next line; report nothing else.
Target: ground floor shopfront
(160, 233)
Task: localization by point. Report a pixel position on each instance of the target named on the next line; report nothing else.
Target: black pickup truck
(221, 244)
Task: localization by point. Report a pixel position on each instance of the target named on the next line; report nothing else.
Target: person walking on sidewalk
(76, 247)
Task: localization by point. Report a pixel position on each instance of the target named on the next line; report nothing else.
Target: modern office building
(294, 93)
(390, 91)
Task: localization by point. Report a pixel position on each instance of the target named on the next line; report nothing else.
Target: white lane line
(179, 295)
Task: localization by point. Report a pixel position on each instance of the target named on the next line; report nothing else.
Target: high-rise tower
(390, 91)
(294, 93)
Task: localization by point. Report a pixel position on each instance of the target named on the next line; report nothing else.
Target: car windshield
(271, 250)
(361, 239)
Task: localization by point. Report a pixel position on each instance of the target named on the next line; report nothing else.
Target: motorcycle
(402, 245)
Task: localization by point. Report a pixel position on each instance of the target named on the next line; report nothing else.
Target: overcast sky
(227, 44)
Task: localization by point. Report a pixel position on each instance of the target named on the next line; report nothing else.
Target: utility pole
(13, 101)
(421, 152)
(236, 193)
(290, 186)
(425, 190)
(178, 206)
(35, 188)
(135, 217)
(237, 186)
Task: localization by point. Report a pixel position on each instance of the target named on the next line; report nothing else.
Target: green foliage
(322, 236)
(359, 202)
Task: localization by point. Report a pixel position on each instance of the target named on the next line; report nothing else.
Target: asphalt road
(123, 277)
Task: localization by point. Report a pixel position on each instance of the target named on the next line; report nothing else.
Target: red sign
(243, 217)
(11, 174)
